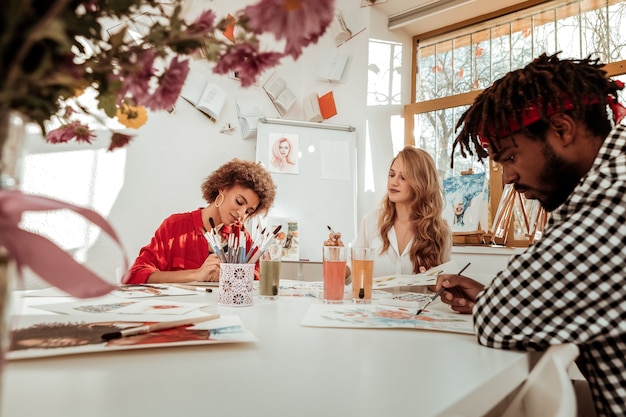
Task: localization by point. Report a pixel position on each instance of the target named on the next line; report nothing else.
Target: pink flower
(67, 132)
(119, 140)
(136, 82)
(247, 61)
(202, 24)
(170, 84)
(299, 22)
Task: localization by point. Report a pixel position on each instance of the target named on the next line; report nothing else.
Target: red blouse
(178, 244)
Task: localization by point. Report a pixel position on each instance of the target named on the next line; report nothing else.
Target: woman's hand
(210, 269)
(334, 239)
(460, 293)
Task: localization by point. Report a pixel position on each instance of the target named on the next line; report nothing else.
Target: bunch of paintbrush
(235, 249)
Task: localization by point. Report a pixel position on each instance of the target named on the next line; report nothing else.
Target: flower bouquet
(52, 51)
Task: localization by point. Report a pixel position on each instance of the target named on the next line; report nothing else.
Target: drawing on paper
(425, 278)
(37, 336)
(283, 153)
(380, 316)
(464, 197)
(111, 305)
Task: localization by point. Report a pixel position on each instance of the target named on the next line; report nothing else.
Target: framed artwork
(465, 202)
(283, 153)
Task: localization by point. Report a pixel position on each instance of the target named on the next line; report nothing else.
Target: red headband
(532, 114)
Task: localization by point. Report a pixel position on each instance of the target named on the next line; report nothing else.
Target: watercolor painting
(283, 153)
(288, 236)
(42, 336)
(315, 289)
(464, 198)
(425, 278)
(149, 290)
(405, 299)
(372, 316)
(114, 305)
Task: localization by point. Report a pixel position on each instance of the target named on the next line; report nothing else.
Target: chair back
(548, 390)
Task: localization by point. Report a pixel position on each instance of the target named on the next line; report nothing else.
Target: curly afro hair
(246, 174)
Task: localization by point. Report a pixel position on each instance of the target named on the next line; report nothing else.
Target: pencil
(438, 293)
(192, 288)
(157, 326)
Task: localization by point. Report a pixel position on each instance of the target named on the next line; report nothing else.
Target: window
(384, 70)
(452, 68)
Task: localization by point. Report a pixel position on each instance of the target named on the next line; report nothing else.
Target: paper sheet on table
(426, 278)
(87, 331)
(115, 305)
(150, 290)
(373, 316)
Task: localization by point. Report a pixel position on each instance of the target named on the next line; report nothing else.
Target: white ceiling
(440, 13)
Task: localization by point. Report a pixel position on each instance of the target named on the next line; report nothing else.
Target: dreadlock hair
(543, 83)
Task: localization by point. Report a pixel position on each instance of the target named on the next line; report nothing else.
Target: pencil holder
(236, 283)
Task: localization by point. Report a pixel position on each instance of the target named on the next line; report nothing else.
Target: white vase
(12, 136)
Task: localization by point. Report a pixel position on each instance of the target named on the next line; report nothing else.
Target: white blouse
(390, 262)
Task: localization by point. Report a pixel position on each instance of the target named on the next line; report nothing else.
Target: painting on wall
(465, 202)
(283, 153)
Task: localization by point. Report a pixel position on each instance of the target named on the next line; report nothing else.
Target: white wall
(160, 172)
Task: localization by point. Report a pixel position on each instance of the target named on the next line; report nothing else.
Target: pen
(157, 326)
(331, 230)
(192, 288)
(438, 293)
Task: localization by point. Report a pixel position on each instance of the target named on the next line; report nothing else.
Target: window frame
(496, 183)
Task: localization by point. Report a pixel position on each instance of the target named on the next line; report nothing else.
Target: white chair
(548, 390)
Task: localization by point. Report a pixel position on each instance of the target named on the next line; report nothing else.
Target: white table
(291, 371)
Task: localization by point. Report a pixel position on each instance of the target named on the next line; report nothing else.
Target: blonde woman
(407, 229)
(282, 155)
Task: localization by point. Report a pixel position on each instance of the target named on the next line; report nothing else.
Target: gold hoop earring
(217, 198)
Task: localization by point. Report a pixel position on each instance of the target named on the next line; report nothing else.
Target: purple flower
(247, 61)
(119, 140)
(170, 84)
(202, 24)
(67, 132)
(136, 80)
(299, 22)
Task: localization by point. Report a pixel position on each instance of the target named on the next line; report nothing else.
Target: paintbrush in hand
(438, 293)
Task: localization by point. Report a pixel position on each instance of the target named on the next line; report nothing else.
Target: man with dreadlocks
(554, 127)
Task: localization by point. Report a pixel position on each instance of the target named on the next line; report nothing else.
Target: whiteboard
(319, 190)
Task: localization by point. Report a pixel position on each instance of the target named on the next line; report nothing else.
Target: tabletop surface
(292, 370)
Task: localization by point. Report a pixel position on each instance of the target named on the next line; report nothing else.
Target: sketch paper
(283, 153)
(334, 155)
(54, 335)
(115, 305)
(315, 289)
(149, 290)
(464, 201)
(288, 236)
(373, 316)
(404, 299)
(425, 278)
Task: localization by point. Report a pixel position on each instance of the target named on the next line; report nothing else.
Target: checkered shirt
(570, 287)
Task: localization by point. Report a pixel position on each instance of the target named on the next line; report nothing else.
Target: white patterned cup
(236, 283)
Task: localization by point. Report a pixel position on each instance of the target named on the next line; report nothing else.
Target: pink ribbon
(43, 257)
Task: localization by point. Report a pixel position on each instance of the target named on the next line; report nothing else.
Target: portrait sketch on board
(283, 153)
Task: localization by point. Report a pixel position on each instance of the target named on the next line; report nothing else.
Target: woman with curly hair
(179, 252)
(407, 230)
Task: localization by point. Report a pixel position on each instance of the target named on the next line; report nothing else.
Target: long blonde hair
(431, 232)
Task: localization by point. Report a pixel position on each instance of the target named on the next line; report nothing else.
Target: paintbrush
(438, 293)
